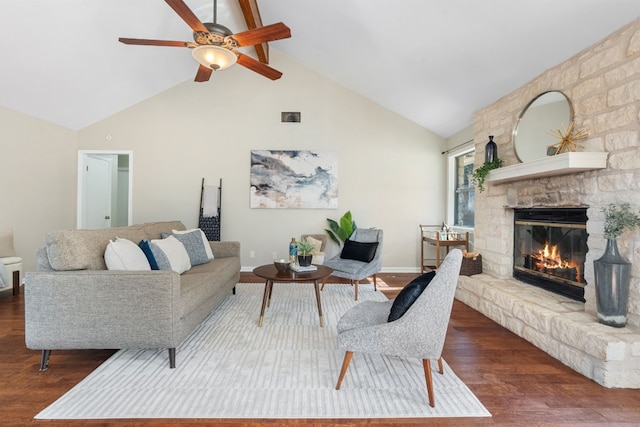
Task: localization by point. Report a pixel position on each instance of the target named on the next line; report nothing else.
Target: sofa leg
(44, 361)
(172, 358)
(234, 290)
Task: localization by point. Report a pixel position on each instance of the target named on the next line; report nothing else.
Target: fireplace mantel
(561, 164)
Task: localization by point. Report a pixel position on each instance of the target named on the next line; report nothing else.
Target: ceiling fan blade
(203, 74)
(148, 42)
(253, 20)
(187, 15)
(264, 34)
(258, 66)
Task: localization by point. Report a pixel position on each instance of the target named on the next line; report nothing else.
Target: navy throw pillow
(146, 248)
(359, 251)
(409, 295)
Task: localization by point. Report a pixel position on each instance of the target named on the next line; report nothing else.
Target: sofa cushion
(175, 252)
(225, 268)
(123, 254)
(154, 230)
(205, 242)
(359, 251)
(154, 255)
(84, 249)
(194, 245)
(409, 294)
(205, 280)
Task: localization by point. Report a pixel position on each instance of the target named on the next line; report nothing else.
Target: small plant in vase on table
(305, 252)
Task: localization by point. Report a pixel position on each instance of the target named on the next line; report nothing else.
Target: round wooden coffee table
(272, 275)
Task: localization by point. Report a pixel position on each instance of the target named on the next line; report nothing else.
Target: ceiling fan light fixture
(214, 57)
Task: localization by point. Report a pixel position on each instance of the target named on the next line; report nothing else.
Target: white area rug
(230, 368)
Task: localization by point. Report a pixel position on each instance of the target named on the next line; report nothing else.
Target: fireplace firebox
(549, 249)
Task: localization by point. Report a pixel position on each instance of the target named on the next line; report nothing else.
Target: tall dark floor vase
(613, 273)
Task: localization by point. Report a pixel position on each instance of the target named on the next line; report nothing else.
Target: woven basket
(471, 266)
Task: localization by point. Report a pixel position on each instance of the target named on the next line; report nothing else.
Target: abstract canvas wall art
(294, 179)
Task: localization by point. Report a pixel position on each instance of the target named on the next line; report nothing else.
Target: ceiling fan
(215, 44)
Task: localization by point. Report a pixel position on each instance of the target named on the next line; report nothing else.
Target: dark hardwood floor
(518, 383)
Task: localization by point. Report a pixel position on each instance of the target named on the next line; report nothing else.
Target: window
(465, 196)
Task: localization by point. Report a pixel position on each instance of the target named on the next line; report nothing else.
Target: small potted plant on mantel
(612, 270)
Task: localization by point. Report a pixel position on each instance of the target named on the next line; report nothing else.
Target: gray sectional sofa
(73, 302)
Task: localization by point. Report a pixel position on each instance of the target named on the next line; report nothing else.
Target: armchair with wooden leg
(361, 257)
(419, 332)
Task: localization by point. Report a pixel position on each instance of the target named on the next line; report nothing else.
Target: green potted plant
(480, 174)
(305, 252)
(612, 269)
(340, 232)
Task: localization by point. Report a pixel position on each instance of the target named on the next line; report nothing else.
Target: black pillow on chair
(409, 295)
(359, 251)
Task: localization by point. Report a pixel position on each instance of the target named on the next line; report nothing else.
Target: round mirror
(532, 134)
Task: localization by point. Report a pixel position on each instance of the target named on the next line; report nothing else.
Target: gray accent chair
(420, 332)
(358, 270)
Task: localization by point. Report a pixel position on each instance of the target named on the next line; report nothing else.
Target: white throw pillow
(207, 247)
(123, 254)
(317, 244)
(176, 253)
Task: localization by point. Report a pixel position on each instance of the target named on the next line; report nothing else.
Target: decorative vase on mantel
(612, 274)
(490, 150)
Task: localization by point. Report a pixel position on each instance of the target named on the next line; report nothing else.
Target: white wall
(391, 172)
(38, 180)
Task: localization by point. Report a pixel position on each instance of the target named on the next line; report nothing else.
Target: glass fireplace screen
(550, 247)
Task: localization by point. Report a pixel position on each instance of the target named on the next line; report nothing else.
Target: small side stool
(13, 266)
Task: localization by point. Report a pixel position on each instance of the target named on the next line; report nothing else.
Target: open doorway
(104, 188)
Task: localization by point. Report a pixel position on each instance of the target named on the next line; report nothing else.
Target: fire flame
(550, 261)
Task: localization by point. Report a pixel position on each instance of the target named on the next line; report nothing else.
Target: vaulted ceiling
(433, 62)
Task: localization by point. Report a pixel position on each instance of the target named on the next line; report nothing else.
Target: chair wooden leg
(324, 282)
(440, 368)
(345, 364)
(427, 375)
(355, 288)
(16, 282)
(375, 283)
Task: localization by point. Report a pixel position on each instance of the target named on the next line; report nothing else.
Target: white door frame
(81, 155)
(97, 176)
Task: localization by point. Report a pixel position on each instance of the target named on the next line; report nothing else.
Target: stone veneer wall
(603, 83)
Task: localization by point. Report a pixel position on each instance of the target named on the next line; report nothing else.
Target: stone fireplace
(603, 84)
